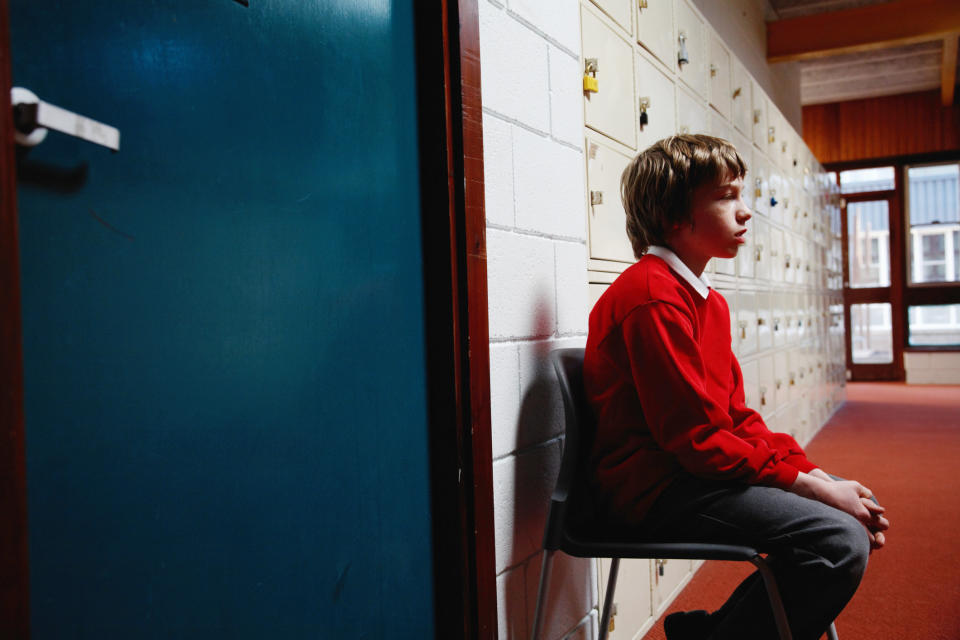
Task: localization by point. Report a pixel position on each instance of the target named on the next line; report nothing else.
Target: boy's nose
(744, 214)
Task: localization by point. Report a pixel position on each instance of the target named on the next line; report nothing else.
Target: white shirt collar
(701, 284)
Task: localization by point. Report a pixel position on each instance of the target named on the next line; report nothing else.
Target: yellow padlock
(590, 84)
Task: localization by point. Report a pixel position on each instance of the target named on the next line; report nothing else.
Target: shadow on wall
(572, 589)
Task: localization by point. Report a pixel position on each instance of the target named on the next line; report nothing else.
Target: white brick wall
(537, 287)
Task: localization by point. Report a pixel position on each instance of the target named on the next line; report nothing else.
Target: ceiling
(888, 71)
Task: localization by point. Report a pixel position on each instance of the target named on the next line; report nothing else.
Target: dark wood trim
(951, 348)
(454, 226)
(14, 587)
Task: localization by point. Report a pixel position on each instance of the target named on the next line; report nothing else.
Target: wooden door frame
(14, 591)
(458, 367)
(892, 294)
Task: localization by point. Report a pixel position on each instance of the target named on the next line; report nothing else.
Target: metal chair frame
(560, 534)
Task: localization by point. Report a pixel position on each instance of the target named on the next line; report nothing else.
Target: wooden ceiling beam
(948, 70)
(861, 29)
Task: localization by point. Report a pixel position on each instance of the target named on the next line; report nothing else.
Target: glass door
(872, 253)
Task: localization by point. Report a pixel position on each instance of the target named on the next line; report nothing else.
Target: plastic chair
(570, 529)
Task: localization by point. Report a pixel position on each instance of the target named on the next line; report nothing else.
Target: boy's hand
(850, 497)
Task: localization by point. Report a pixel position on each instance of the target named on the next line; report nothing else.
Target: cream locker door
(667, 586)
(691, 113)
(730, 295)
(719, 76)
(789, 258)
(619, 10)
(746, 261)
(632, 597)
(761, 247)
(610, 110)
(606, 220)
(657, 96)
(740, 94)
(795, 368)
(691, 40)
(774, 194)
(746, 256)
(803, 315)
(751, 384)
(745, 149)
(758, 114)
(719, 126)
(596, 290)
(790, 315)
(766, 387)
(779, 315)
(747, 322)
(655, 31)
(781, 372)
(774, 132)
(776, 255)
(760, 184)
(764, 321)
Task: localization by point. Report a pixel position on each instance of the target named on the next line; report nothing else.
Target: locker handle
(33, 117)
(642, 5)
(771, 135)
(713, 71)
(682, 56)
(736, 92)
(756, 116)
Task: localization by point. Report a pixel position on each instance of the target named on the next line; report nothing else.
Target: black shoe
(688, 625)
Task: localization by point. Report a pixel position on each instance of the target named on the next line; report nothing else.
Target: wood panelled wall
(884, 127)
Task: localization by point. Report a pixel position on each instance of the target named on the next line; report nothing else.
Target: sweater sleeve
(749, 425)
(669, 375)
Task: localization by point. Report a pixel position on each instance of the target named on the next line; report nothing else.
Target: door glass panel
(934, 325)
(870, 333)
(868, 227)
(860, 180)
(934, 218)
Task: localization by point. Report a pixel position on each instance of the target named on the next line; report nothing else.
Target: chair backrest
(580, 427)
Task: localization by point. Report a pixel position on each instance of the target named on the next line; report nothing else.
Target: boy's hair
(657, 186)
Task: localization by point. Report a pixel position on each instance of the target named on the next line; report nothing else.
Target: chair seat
(590, 548)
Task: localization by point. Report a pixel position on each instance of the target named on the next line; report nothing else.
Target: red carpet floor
(903, 442)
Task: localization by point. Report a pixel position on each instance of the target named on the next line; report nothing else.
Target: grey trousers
(818, 553)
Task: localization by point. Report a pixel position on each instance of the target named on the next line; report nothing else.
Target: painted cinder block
(512, 622)
(549, 186)
(498, 171)
(522, 485)
(573, 292)
(566, 97)
(521, 285)
(504, 397)
(514, 72)
(572, 593)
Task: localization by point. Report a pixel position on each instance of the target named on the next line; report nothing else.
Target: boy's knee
(851, 546)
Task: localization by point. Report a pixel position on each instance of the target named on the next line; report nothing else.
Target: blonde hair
(658, 184)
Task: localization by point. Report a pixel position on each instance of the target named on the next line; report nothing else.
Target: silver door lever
(32, 117)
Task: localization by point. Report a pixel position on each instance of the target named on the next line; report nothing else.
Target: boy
(677, 454)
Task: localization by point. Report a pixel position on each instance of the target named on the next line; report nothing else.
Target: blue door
(223, 322)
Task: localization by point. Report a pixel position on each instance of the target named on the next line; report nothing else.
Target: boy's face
(718, 223)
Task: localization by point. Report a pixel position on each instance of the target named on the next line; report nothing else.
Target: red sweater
(668, 393)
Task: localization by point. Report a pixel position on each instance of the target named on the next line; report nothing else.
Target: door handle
(32, 117)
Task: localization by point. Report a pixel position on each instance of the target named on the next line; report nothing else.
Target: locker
(789, 259)
(767, 386)
(781, 372)
(691, 113)
(632, 597)
(741, 92)
(760, 184)
(764, 321)
(746, 257)
(745, 149)
(774, 193)
(719, 76)
(730, 295)
(692, 46)
(665, 587)
(655, 31)
(758, 114)
(794, 373)
(609, 110)
(657, 96)
(787, 422)
(747, 321)
(619, 11)
(606, 220)
(775, 133)
(596, 290)
(789, 306)
(761, 247)
(776, 255)
(779, 318)
(719, 126)
(751, 384)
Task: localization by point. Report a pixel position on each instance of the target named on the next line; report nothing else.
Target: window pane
(870, 333)
(860, 180)
(869, 238)
(934, 325)
(934, 216)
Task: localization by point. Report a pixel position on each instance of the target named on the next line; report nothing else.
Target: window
(869, 243)
(934, 325)
(871, 333)
(934, 218)
(861, 180)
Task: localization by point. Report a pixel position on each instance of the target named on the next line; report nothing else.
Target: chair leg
(608, 599)
(779, 613)
(546, 566)
(832, 632)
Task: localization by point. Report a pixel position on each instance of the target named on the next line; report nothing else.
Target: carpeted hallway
(903, 442)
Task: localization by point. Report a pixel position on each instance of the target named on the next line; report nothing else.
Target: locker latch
(759, 249)
(596, 197)
(660, 564)
(713, 71)
(771, 135)
(763, 396)
(642, 4)
(644, 119)
(683, 57)
(783, 147)
(737, 92)
(759, 192)
(590, 68)
(756, 116)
